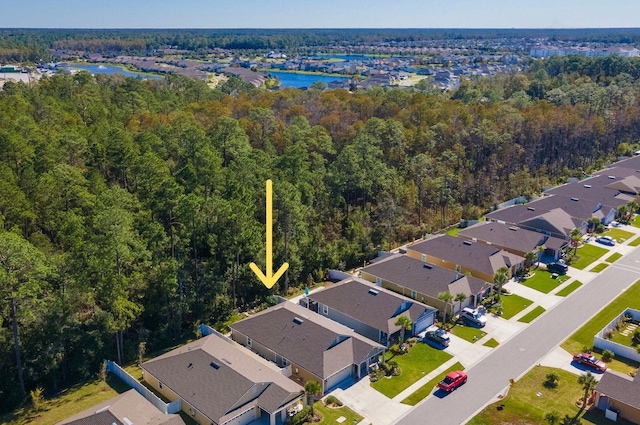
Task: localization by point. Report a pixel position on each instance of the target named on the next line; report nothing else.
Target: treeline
(130, 210)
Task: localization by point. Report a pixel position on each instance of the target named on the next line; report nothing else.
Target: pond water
(290, 79)
(106, 69)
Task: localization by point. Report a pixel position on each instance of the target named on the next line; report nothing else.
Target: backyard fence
(618, 349)
(173, 407)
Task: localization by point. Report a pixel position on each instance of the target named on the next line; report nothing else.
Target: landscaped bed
(586, 255)
(419, 361)
(330, 415)
(569, 288)
(544, 281)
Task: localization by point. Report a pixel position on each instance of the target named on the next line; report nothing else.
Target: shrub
(299, 418)
(609, 334)
(607, 355)
(635, 339)
(552, 380)
(332, 400)
(586, 349)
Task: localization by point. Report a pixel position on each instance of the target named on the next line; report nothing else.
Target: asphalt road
(515, 357)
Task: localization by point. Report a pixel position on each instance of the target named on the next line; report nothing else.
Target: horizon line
(322, 28)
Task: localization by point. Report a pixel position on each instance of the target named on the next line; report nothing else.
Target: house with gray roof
(220, 382)
(514, 239)
(315, 347)
(465, 256)
(619, 396)
(424, 281)
(370, 310)
(124, 409)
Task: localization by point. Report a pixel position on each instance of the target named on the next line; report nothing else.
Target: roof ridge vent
(613, 177)
(215, 365)
(513, 228)
(297, 320)
(427, 266)
(373, 291)
(574, 199)
(588, 186)
(531, 208)
(467, 242)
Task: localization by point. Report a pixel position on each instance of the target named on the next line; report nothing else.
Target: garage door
(336, 379)
(423, 322)
(245, 418)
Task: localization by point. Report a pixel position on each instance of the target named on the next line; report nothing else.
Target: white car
(473, 316)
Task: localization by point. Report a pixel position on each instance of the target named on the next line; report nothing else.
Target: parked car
(439, 336)
(560, 268)
(473, 316)
(453, 380)
(590, 360)
(606, 240)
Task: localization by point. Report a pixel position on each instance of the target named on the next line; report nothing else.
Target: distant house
(315, 347)
(245, 74)
(125, 409)
(369, 310)
(220, 382)
(423, 281)
(619, 396)
(513, 239)
(464, 256)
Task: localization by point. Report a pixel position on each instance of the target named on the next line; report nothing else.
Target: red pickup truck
(453, 380)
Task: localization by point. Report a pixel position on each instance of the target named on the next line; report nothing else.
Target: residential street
(515, 357)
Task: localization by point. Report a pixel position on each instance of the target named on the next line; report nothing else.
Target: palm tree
(588, 382)
(405, 325)
(312, 389)
(499, 279)
(460, 297)
(529, 258)
(446, 297)
(552, 417)
(576, 237)
(540, 249)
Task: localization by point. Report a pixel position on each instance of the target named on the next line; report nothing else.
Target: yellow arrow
(269, 279)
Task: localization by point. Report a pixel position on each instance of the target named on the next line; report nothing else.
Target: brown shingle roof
(315, 343)
(368, 304)
(620, 387)
(427, 279)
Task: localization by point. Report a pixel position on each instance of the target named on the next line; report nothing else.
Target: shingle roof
(128, 406)
(315, 343)
(510, 237)
(620, 387)
(368, 304)
(475, 256)
(430, 279)
(213, 374)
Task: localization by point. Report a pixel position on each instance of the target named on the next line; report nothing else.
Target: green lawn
(454, 231)
(587, 255)
(635, 242)
(636, 221)
(569, 288)
(543, 282)
(491, 343)
(622, 339)
(599, 267)
(420, 360)
(513, 304)
(618, 234)
(583, 337)
(528, 318)
(468, 333)
(529, 400)
(426, 389)
(331, 415)
(615, 256)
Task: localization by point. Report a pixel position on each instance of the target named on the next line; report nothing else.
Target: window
(160, 385)
(424, 257)
(379, 281)
(325, 309)
(414, 294)
(458, 268)
(248, 342)
(193, 411)
(285, 362)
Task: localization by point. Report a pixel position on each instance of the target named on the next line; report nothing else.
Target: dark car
(559, 268)
(591, 361)
(439, 336)
(453, 380)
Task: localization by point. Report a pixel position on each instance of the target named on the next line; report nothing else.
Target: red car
(591, 361)
(453, 380)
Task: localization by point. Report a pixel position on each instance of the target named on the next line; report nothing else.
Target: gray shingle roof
(620, 387)
(412, 274)
(511, 237)
(130, 405)
(213, 374)
(475, 256)
(368, 304)
(315, 343)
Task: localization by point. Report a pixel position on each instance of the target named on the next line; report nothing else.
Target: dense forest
(130, 210)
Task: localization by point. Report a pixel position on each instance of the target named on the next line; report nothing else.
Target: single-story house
(464, 256)
(423, 281)
(513, 239)
(619, 396)
(315, 347)
(370, 310)
(220, 382)
(124, 409)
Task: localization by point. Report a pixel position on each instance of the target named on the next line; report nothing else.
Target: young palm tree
(576, 237)
(529, 258)
(446, 297)
(312, 389)
(540, 249)
(552, 417)
(405, 325)
(588, 382)
(499, 279)
(459, 298)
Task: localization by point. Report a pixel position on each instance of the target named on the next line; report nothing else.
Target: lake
(290, 79)
(106, 69)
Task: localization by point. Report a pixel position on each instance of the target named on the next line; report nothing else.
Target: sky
(319, 13)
